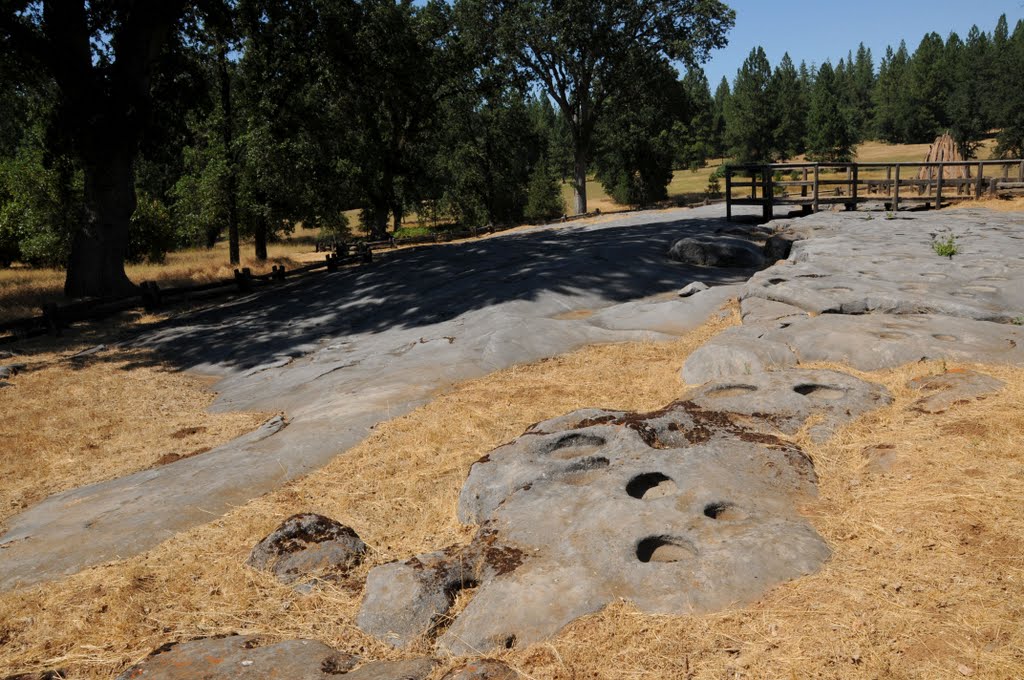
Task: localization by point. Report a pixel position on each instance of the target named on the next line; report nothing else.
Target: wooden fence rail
(812, 185)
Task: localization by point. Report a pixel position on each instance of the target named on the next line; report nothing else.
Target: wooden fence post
(853, 191)
(768, 193)
(803, 187)
(888, 180)
(814, 198)
(978, 182)
(938, 189)
(896, 190)
(728, 193)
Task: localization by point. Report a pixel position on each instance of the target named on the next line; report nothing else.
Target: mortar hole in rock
(819, 391)
(731, 391)
(584, 471)
(891, 336)
(457, 592)
(665, 549)
(945, 338)
(724, 511)
(651, 485)
(575, 446)
(775, 282)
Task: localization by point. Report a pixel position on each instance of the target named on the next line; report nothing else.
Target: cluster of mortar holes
(650, 486)
(665, 549)
(575, 446)
(724, 511)
(815, 391)
(945, 338)
(725, 391)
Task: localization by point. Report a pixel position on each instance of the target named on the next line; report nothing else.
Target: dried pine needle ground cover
(925, 580)
(69, 422)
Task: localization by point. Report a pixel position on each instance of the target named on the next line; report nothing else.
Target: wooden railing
(810, 186)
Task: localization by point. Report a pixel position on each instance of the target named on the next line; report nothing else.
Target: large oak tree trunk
(100, 245)
(579, 183)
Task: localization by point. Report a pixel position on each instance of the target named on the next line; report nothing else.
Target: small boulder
(482, 669)
(778, 246)
(239, 656)
(693, 288)
(306, 544)
(11, 370)
(717, 251)
(941, 392)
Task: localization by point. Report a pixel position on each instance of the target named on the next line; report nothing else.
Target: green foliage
(39, 208)
(789, 103)
(151, 232)
(638, 137)
(945, 247)
(830, 126)
(544, 198)
(714, 188)
(749, 111)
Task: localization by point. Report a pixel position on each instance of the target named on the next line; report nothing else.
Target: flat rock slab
(242, 657)
(941, 392)
(866, 342)
(680, 510)
(342, 351)
(785, 400)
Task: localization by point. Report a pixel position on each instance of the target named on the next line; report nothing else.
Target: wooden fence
(810, 186)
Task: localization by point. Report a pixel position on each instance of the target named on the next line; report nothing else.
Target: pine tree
(790, 110)
(830, 130)
(694, 130)
(718, 119)
(891, 97)
(750, 121)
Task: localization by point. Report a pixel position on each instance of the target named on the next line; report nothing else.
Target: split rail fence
(814, 186)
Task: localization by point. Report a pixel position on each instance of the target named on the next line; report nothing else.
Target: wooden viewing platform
(813, 185)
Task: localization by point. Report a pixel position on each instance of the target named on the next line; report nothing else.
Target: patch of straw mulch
(925, 580)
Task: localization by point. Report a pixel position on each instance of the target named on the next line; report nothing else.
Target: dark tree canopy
(582, 52)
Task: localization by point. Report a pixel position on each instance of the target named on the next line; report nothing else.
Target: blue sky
(816, 30)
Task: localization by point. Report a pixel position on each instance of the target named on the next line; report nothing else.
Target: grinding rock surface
(340, 352)
(941, 392)
(308, 544)
(680, 510)
(785, 400)
(872, 293)
(243, 658)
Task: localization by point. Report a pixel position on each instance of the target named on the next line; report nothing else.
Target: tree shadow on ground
(419, 287)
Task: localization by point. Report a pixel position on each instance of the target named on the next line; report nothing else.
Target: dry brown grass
(924, 581)
(24, 290)
(997, 204)
(69, 422)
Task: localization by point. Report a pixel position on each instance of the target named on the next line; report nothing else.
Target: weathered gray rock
(693, 288)
(735, 352)
(782, 401)
(239, 657)
(680, 510)
(778, 246)
(941, 392)
(308, 544)
(482, 669)
(715, 250)
(411, 669)
(11, 370)
(340, 352)
(866, 342)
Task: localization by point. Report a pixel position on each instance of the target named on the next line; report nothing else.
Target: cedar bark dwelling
(100, 55)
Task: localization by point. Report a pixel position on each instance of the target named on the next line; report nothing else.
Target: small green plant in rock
(1018, 320)
(890, 215)
(945, 247)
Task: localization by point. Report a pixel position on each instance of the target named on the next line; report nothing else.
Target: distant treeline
(967, 86)
(256, 115)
